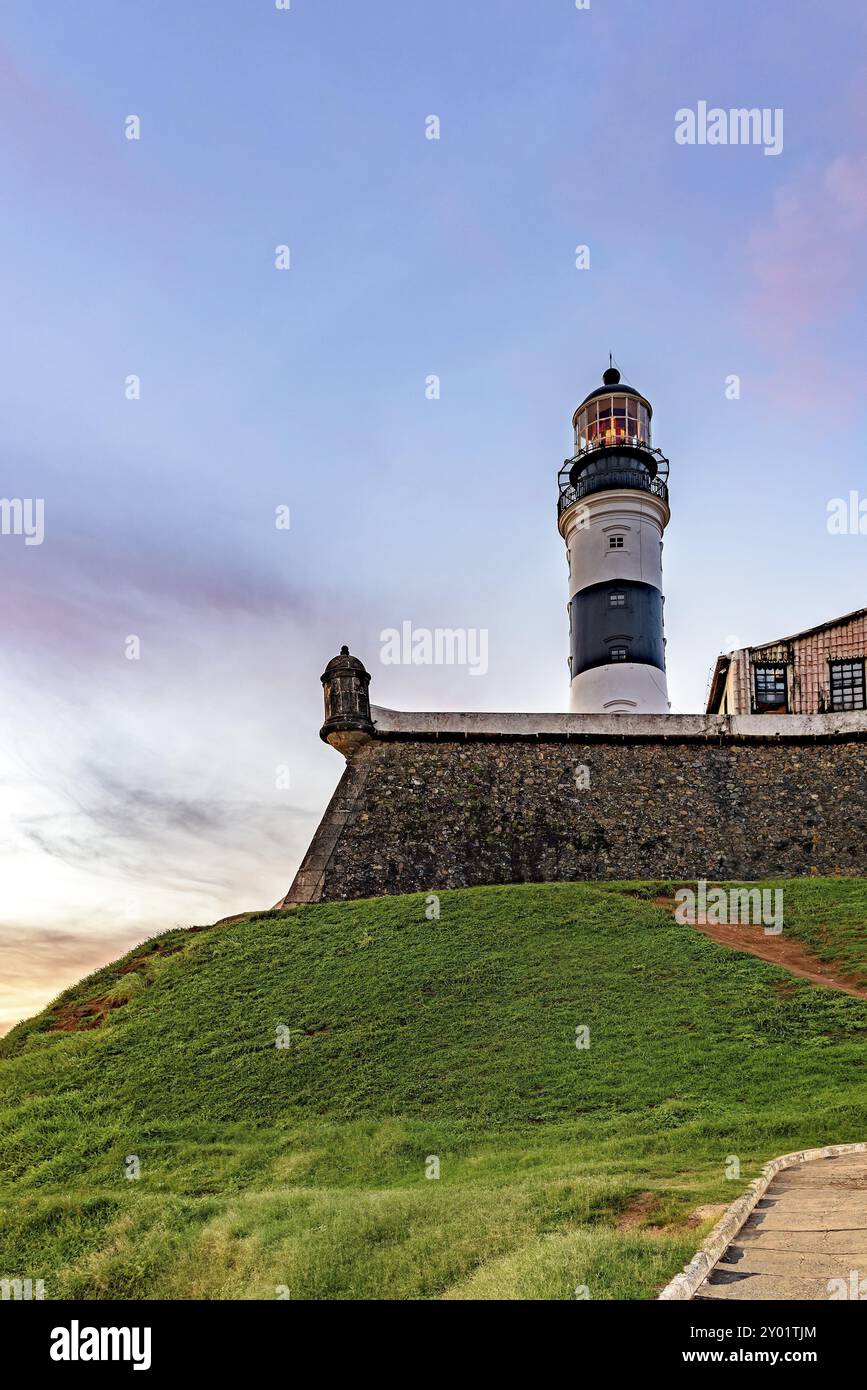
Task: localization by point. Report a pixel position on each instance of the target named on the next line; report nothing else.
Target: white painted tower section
(589, 525)
(587, 528)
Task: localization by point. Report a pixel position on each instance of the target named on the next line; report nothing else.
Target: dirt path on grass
(779, 950)
(806, 1239)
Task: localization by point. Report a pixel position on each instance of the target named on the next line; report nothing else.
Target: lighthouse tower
(612, 512)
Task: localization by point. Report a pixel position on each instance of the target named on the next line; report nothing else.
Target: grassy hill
(302, 1169)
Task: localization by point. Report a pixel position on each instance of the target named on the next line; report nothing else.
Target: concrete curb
(685, 1284)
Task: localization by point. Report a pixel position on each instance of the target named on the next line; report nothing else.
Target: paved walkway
(810, 1227)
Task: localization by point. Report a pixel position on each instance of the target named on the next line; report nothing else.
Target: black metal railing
(612, 439)
(622, 444)
(611, 478)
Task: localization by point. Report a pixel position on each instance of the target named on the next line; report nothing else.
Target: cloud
(38, 961)
(68, 593)
(138, 796)
(55, 135)
(808, 273)
(129, 861)
(133, 833)
(807, 260)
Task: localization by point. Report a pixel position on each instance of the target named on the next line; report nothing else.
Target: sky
(177, 778)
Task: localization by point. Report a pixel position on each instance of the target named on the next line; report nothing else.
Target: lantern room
(613, 415)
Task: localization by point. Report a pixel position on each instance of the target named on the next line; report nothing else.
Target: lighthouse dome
(343, 662)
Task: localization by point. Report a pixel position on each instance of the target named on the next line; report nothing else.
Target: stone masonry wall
(429, 812)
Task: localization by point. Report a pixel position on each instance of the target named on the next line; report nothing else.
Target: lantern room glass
(610, 420)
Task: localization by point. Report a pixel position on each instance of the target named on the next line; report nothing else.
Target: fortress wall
(432, 802)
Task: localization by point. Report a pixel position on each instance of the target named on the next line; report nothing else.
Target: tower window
(615, 542)
(617, 599)
(847, 685)
(771, 689)
(618, 653)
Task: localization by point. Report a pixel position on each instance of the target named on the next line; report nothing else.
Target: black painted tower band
(616, 620)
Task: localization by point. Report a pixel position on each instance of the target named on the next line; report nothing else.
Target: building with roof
(819, 671)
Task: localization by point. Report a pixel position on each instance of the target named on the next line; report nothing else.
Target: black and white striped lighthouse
(612, 512)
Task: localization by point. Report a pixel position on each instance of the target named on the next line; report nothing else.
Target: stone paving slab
(799, 1266)
(802, 1263)
(773, 1287)
(807, 1242)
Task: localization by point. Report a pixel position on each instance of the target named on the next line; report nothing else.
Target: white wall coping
(446, 724)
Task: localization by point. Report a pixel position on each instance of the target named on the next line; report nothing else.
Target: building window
(771, 689)
(617, 599)
(618, 654)
(615, 542)
(847, 684)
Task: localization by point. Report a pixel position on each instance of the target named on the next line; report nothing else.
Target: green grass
(303, 1169)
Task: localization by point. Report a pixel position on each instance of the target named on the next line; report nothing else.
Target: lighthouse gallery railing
(613, 478)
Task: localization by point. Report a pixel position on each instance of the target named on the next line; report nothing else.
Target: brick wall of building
(807, 659)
